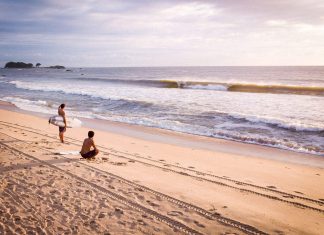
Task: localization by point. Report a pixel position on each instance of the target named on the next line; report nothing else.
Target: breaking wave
(242, 87)
(288, 125)
(213, 86)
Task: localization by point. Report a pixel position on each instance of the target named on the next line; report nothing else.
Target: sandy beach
(149, 181)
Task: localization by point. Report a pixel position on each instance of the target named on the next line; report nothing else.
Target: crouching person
(86, 151)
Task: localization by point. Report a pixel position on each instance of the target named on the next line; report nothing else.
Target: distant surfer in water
(61, 113)
(87, 144)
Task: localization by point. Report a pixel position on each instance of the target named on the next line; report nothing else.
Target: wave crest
(197, 85)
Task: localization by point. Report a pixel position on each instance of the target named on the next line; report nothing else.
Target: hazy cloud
(144, 33)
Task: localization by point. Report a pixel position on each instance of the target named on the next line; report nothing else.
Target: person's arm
(94, 146)
(81, 151)
(64, 119)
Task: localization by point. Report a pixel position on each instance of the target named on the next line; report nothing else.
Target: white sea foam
(203, 131)
(109, 93)
(29, 105)
(286, 124)
(271, 142)
(207, 87)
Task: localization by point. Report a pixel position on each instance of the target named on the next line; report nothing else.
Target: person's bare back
(87, 144)
(86, 151)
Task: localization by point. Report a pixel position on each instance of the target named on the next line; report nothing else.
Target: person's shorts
(89, 154)
(62, 129)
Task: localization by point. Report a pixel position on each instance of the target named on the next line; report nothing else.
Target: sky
(100, 33)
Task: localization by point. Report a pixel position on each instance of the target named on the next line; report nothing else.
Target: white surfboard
(70, 121)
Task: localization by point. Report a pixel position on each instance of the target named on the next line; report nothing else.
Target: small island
(56, 67)
(19, 65)
(22, 65)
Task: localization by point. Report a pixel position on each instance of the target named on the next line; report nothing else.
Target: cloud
(188, 11)
(177, 32)
(276, 23)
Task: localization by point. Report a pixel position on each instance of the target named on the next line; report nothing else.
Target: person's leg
(93, 153)
(61, 136)
(90, 154)
(61, 133)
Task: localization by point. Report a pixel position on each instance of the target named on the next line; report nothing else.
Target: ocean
(281, 107)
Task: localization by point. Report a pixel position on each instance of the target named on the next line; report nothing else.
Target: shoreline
(189, 140)
(160, 179)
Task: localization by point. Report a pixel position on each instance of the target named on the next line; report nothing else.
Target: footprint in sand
(141, 222)
(272, 187)
(298, 192)
(118, 212)
(140, 197)
(175, 213)
(152, 203)
(101, 215)
(279, 232)
(119, 163)
(199, 224)
(17, 219)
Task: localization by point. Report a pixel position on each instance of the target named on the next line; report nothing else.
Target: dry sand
(152, 182)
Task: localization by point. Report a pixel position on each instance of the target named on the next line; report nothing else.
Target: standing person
(61, 113)
(87, 144)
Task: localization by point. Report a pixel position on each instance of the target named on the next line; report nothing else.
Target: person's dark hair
(62, 106)
(90, 134)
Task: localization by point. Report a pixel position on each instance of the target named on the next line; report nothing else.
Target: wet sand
(148, 181)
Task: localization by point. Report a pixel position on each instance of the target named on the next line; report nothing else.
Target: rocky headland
(23, 65)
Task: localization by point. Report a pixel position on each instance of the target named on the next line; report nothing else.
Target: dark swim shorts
(89, 154)
(62, 129)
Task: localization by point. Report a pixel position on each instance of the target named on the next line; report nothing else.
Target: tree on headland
(38, 64)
